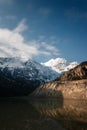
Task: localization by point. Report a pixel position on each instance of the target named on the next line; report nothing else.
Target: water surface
(42, 114)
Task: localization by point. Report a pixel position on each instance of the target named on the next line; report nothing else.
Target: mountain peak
(60, 65)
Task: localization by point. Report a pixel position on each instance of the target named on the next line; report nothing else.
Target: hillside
(70, 85)
(78, 73)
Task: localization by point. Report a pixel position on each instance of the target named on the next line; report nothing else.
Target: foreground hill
(71, 85)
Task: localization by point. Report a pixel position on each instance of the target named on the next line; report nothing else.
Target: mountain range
(28, 70)
(19, 77)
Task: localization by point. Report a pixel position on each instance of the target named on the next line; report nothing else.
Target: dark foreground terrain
(42, 114)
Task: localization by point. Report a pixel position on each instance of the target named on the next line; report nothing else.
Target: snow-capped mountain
(60, 65)
(19, 77)
(29, 70)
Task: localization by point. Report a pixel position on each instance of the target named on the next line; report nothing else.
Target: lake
(42, 114)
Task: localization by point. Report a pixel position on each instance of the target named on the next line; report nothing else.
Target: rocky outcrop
(70, 85)
(65, 89)
(78, 73)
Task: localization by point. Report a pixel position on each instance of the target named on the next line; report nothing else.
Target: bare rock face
(64, 90)
(78, 73)
(71, 85)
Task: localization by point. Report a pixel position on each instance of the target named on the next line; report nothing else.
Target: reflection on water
(42, 114)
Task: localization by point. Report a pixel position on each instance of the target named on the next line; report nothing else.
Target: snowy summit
(60, 65)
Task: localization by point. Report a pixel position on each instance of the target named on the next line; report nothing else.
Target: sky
(43, 29)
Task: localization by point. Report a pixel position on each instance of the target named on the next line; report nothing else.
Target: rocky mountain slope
(28, 70)
(64, 89)
(19, 77)
(71, 85)
(78, 73)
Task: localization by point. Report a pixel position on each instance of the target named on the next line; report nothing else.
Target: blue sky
(44, 29)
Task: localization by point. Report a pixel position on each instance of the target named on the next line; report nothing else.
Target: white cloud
(13, 44)
(49, 47)
(21, 26)
(45, 48)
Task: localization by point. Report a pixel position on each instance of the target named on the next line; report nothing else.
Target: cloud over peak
(13, 44)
